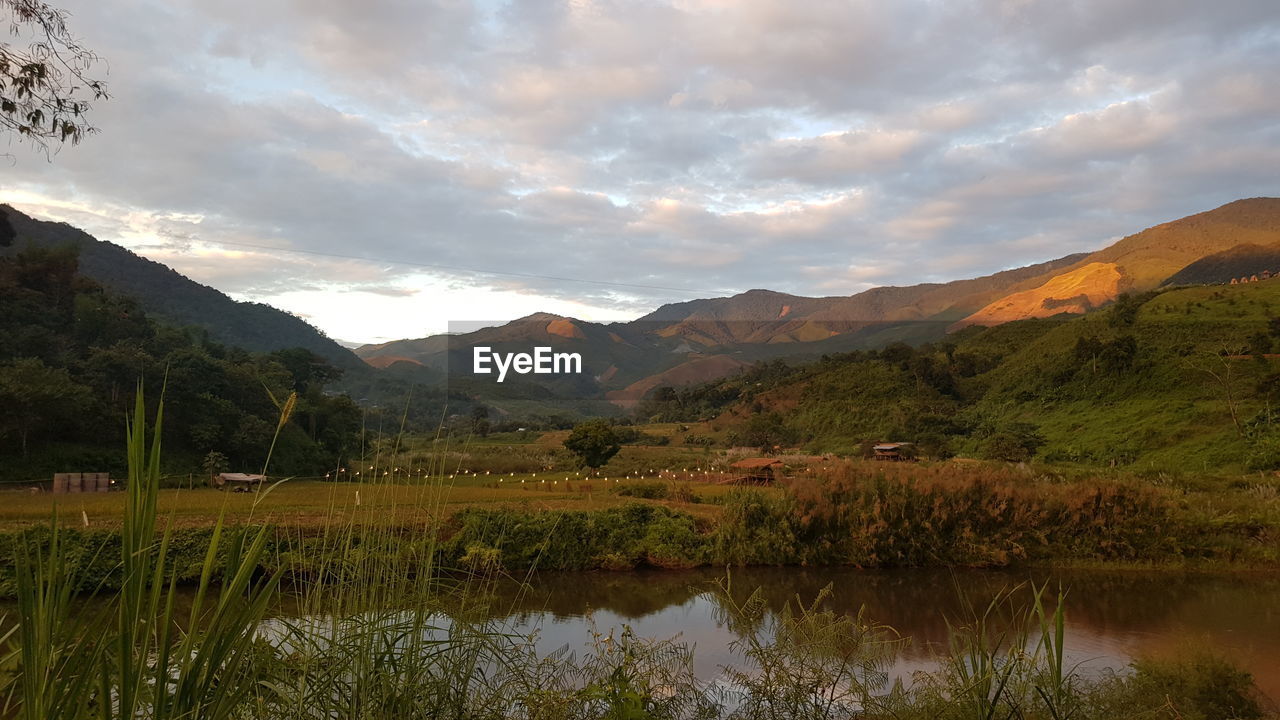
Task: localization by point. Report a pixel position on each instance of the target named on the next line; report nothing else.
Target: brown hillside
(1144, 260)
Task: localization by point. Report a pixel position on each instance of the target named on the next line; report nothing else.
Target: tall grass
(127, 653)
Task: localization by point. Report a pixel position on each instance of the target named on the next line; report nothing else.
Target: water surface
(1112, 616)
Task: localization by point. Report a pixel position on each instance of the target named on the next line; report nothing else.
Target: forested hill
(169, 296)
(1168, 380)
(72, 354)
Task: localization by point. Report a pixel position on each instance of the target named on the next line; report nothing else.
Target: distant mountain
(698, 340)
(1138, 262)
(763, 316)
(174, 298)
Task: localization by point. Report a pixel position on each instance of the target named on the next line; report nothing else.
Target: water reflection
(1112, 615)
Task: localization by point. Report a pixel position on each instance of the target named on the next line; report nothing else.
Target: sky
(386, 167)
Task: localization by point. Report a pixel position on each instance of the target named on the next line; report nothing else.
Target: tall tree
(36, 397)
(594, 442)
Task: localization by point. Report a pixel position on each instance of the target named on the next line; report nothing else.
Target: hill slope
(1141, 261)
(172, 297)
(1168, 380)
(1240, 262)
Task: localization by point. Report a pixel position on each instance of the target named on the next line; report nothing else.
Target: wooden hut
(758, 471)
(891, 451)
(240, 482)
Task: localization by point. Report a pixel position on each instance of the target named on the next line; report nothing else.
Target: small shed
(758, 471)
(891, 451)
(239, 481)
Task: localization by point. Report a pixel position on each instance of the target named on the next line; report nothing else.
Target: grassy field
(311, 503)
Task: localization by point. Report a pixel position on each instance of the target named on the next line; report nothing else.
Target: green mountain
(1167, 380)
(174, 298)
(72, 354)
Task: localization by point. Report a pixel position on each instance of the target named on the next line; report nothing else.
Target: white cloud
(692, 144)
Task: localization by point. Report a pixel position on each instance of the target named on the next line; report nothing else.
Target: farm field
(313, 503)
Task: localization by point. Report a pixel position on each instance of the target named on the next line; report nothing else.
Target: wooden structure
(81, 482)
(757, 471)
(241, 482)
(891, 451)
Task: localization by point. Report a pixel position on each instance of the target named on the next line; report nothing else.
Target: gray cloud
(809, 147)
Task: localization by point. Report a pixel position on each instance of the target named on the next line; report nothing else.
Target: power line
(478, 271)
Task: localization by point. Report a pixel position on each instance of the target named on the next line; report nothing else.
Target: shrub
(645, 490)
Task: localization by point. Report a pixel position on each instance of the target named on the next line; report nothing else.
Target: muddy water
(1112, 616)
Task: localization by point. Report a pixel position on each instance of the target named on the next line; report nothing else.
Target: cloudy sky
(384, 167)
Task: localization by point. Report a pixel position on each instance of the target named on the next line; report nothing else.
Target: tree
(594, 442)
(306, 369)
(214, 462)
(45, 88)
(7, 233)
(36, 397)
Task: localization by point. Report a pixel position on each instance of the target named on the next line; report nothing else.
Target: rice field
(314, 503)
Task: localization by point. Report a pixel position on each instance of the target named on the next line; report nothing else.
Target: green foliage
(1197, 685)
(645, 490)
(46, 78)
(1158, 381)
(37, 398)
(593, 442)
(757, 529)
(1017, 442)
(71, 353)
(633, 535)
(124, 658)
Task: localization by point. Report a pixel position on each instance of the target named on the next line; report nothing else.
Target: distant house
(758, 471)
(892, 451)
(1253, 278)
(1266, 275)
(1235, 281)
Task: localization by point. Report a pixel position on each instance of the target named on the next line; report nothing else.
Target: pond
(1112, 616)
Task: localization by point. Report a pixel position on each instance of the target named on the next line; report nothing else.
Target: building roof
(757, 463)
(891, 446)
(241, 477)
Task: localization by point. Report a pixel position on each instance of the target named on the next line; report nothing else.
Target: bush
(645, 490)
(1200, 685)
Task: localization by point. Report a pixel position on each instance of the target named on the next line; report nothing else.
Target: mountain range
(699, 340)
